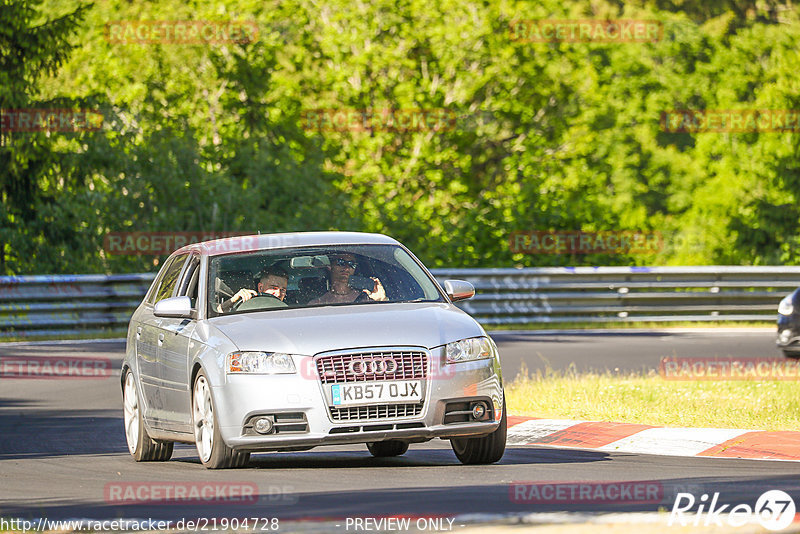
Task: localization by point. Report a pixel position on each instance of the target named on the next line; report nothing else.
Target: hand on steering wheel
(242, 295)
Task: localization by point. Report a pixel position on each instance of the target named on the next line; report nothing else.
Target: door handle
(138, 333)
(160, 340)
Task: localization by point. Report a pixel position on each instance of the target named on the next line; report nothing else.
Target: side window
(171, 274)
(151, 295)
(189, 284)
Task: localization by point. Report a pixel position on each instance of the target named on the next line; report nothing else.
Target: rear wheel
(213, 451)
(141, 446)
(383, 449)
(485, 449)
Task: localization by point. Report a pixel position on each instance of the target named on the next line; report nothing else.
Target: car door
(174, 354)
(150, 357)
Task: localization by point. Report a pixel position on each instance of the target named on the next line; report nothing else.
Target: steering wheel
(362, 297)
(259, 302)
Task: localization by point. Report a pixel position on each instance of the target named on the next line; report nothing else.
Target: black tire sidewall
(384, 449)
(146, 448)
(485, 449)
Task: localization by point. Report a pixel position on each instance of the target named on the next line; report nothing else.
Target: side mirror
(179, 307)
(459, 290)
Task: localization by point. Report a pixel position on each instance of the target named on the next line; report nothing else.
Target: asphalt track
(62, 447)
(628, 351)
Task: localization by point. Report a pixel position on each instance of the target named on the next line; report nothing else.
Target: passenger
(341, 268)
(272, 281)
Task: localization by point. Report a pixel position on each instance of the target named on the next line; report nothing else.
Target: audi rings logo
(376, 366)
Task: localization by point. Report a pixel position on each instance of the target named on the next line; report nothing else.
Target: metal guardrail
(625, 294)
(80, 305)
(67, 306)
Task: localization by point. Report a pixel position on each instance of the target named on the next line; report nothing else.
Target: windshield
(316, 276)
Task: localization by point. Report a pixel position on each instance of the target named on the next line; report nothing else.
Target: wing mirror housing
(178, 307)
(459, 290)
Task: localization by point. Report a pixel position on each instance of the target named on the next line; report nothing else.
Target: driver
(272, 281)
(341, 268)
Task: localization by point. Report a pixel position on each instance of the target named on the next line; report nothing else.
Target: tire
(791, 354)
(485, 449)
(212, 450)
(384, 449)
(141, 446)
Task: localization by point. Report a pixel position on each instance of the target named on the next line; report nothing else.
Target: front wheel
(485, 449)
(141, 446)
(213, 451)
(384, 449)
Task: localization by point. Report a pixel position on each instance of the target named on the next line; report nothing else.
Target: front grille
(411, 365)
(378, 411)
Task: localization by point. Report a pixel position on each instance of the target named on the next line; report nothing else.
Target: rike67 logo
(774, 510)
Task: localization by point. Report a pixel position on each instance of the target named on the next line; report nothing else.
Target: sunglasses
(345, 263)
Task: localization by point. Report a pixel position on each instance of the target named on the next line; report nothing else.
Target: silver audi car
(286, 342)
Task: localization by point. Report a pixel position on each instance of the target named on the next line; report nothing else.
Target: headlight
(264, 363)
(474, 348)
(786, 307)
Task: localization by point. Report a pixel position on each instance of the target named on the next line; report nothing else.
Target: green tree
(562, 136)
(32, 167)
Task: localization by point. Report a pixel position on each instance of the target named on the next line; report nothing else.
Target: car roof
(247, 243)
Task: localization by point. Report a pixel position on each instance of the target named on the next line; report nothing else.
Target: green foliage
(561, 136)
(34, 167)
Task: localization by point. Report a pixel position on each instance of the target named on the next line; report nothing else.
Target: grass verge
(649, 399)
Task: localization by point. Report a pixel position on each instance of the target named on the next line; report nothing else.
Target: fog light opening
(263, 425)
(478, 410)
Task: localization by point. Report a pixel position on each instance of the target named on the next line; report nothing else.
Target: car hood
(313, 330)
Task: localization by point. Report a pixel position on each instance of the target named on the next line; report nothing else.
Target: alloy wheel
(203, 419)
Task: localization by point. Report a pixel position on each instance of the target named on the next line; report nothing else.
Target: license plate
(389, 392)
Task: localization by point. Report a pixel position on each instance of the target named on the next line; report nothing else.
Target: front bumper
(788, 333)
(277, 443)
(244, 396)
